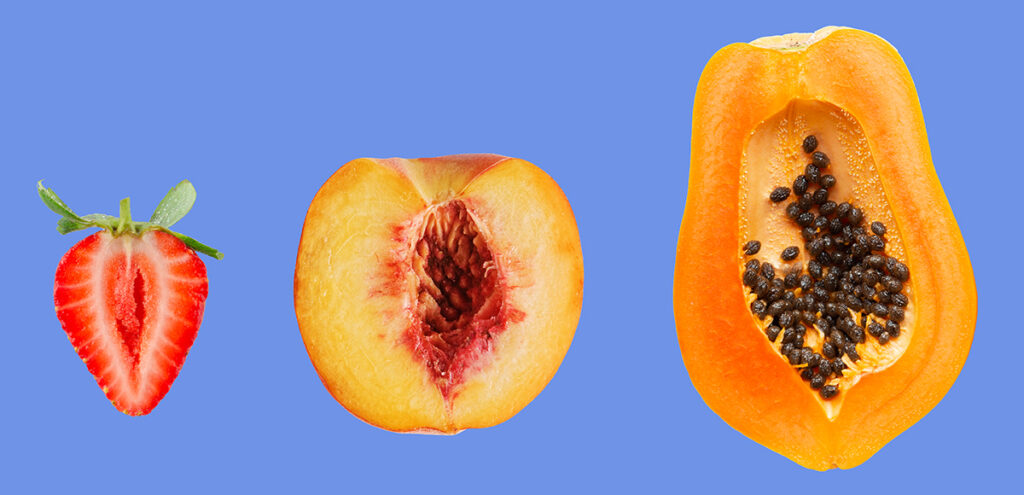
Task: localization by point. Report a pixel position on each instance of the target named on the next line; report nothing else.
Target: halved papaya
(824, 299)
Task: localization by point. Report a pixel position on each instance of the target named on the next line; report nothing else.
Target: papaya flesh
(756, 105)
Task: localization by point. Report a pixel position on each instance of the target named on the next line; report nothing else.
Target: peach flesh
(360, 274)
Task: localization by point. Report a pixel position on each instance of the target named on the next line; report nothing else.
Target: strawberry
(131, 297)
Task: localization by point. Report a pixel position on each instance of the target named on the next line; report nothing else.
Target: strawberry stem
(173, 207)
(125, 209)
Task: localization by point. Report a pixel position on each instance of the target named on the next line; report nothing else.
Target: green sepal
(173, 207)
(198, 246)
(54, 203)
(65, 225)
(101, 219)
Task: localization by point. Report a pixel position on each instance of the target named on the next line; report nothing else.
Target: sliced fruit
(131, 298)
(824, 298)
(438, 294)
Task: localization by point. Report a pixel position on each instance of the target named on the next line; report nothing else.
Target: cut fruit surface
(131, 297)
(865, 314)
(774, 155)
(438, 294)
(131, 307)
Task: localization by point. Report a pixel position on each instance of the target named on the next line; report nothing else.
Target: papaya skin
(730, 361)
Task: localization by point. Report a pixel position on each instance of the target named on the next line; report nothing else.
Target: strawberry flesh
(131, 306)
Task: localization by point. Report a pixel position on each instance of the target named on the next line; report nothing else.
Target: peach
(438, 294)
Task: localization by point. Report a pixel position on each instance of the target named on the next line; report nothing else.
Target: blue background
(257, 104)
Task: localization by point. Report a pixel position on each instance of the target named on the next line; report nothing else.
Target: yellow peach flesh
(356, 291)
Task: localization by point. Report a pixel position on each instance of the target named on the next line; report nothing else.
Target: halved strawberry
(131, 297)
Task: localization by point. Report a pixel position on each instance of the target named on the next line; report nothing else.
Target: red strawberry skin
(131, 306)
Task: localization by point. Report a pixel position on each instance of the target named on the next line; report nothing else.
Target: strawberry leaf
(198, 246)
(54, 203)
(65, 225)
(100, 220)
(175, 205)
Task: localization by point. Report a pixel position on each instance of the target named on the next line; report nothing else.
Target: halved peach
(438, 294)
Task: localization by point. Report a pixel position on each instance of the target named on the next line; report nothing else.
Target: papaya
(824, 299)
